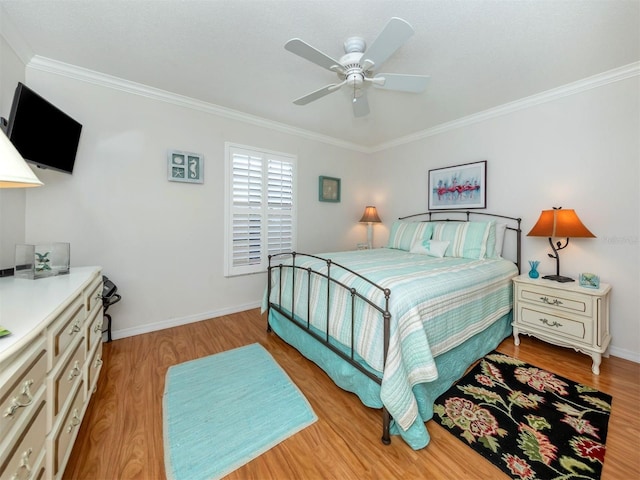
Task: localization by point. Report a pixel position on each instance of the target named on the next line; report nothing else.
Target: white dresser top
(25, 304)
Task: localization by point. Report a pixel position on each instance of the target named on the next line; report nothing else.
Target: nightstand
(564, 314)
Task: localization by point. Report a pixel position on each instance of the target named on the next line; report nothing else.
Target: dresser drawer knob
(98, 327)
(23, 400)
(98, 363)
(74, 422)
(555, 301)
(24, 470)
(75, 371)
(550, 324)
(75, 328)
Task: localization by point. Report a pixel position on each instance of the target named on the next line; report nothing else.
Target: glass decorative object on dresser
(42, 260)
(533, 273)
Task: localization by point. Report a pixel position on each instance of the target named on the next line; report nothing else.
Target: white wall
(13, 200)
(581, 151)
(162, 242)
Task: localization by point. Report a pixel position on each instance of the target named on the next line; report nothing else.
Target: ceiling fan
(357, 68)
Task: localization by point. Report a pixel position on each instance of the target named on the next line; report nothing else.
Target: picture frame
(185, 167)
(328, 189)
(589, 280)
(458, 187)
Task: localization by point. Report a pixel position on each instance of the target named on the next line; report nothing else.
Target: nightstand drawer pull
(546, 300)
(551, 324)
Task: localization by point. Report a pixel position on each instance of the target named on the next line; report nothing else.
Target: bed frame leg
(386, 421)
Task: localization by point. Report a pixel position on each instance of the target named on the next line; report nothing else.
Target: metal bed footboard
(324, 338)
(513, 226)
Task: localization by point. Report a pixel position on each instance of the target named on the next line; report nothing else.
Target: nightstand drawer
(574, 329)
(568, 301)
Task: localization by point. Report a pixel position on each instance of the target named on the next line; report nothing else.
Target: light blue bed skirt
(451, 366)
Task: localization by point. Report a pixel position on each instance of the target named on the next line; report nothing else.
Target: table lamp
(559, 223)
(14, 171)
(370, 216)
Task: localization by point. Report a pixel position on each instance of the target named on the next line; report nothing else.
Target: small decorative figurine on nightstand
(533, 273)
(589, 280)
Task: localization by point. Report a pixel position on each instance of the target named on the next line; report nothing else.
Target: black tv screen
(41, 132)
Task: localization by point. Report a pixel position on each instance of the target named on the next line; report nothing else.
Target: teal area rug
(530, 423)
(222, 411)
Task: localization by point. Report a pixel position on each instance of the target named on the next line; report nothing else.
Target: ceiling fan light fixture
(358, 67)
(354, 44)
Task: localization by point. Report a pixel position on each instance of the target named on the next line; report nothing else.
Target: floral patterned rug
(530, 423)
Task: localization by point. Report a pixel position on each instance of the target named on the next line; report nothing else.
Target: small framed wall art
(185, 167)
(329, 189)
(460, 186)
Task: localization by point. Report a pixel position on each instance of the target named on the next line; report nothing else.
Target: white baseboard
(176, 322)
(626, 354)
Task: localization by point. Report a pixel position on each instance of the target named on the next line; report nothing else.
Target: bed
(398, 325)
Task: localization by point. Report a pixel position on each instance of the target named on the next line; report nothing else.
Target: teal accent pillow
(404, 234)
(467, 239)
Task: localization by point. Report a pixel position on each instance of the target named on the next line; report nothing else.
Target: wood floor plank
(121, 435)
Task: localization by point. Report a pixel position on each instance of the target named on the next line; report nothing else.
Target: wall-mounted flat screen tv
(41, 132)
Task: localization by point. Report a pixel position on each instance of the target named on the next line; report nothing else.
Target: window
(260, 208)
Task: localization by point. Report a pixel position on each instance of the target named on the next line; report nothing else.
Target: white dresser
(564, 314)
(49, 368)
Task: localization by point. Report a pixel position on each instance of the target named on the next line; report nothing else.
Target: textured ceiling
(479, 53)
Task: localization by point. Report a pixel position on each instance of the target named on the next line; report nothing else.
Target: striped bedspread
(435, 305)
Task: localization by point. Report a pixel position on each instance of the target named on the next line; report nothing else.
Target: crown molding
(108, 81)
(595, 81)
(90, 76)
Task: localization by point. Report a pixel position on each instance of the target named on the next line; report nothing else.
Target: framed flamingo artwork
(458, 187)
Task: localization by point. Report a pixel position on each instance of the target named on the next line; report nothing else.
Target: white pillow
(501, 228)
(433, 248)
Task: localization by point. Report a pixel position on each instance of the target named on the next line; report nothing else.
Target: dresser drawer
(66, 432)
(65, 378)
(66, 328)
(20, 383)
(27, 451)
(562, 300)
(558, 326)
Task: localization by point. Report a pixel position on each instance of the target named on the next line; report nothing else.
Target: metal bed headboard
(513, 223)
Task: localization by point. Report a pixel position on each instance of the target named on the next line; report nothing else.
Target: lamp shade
(14, 171)
(559, 223)
(370, 215)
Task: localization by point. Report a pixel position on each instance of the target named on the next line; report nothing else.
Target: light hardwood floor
(121, 435)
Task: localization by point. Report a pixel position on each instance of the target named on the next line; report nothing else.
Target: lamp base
(559, 278)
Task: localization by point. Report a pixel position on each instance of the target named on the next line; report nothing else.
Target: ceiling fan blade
(395, 33)
(318, 94)
(361, 106)
(401, 83)
(306, 51)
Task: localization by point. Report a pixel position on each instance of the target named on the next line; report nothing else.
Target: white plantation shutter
(260, 208)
